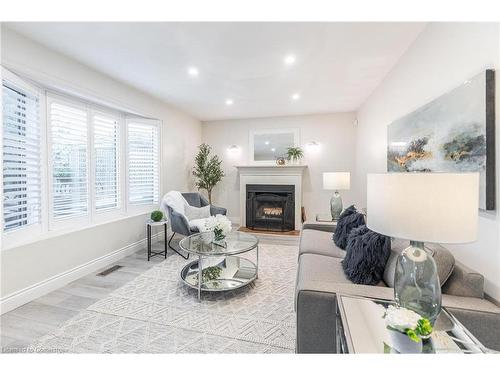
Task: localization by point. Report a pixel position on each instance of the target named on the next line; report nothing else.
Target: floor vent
(109, 270)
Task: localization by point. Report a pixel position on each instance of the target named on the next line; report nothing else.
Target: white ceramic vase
(403, 344)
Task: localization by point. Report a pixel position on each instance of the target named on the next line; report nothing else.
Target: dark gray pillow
(366, 255)
(348, 211)
(348, 220)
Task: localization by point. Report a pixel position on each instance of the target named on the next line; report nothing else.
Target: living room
(250, 187)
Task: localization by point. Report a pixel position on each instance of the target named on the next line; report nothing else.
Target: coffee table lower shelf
(235, 272)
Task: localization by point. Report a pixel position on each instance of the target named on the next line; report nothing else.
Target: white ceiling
(337, 64)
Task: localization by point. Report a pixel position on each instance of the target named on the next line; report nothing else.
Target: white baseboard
(23, 296)
(235, 220)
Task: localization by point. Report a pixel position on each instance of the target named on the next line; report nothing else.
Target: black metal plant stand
(149, 225)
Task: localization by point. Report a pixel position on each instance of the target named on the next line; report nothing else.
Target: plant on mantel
(294, 154)
(207, 170)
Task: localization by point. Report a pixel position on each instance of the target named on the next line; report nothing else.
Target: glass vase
(219, 238)
(416, 282)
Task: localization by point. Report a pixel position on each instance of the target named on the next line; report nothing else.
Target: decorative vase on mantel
(280, 161)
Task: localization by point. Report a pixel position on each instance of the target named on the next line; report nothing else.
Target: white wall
(334, 132)
(441, 58)
(24, 266)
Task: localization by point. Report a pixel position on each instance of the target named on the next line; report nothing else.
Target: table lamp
(336, 181)
(422, 207)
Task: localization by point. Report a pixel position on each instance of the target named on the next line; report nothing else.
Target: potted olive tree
(207, 170)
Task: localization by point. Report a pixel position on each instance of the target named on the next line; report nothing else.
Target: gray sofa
(320, 277)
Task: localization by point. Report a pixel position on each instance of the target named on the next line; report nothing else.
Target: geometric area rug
(157, 313)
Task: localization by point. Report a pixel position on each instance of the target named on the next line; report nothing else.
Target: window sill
(9, 242)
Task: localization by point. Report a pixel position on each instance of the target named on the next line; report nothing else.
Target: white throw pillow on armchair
(193, 213)
(198, 225)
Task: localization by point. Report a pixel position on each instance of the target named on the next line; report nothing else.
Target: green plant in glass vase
(220, 225)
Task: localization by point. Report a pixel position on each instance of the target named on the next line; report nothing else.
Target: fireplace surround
(270, 207)
(270, 175)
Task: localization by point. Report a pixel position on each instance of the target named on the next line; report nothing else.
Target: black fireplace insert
(270, 207)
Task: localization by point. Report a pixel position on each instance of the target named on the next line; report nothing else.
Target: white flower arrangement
(408, 322)
(400, 318)
(220, 225)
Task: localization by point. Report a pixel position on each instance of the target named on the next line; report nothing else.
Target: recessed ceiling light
(289, 59)
(229, 102)
(266, 142)
(273, 149)
(193, 71)
(296, 96)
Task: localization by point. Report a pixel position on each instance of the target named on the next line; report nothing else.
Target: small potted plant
(406, 329)
(220, 226)
(156, 215)
(294, 154)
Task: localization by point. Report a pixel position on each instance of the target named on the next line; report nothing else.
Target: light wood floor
(21, 327)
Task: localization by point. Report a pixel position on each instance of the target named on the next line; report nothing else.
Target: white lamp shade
(424, 207)
(336, 180)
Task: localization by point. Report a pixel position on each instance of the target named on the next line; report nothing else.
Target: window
(143, 162)
(68, 163)
(106, 161)
(21, 157)
(68, 134)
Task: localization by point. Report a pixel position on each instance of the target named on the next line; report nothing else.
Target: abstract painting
(453, 133)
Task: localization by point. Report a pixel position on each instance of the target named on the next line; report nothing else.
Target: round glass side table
(219, 266)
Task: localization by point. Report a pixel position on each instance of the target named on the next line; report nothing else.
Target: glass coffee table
(360, 328)
(219, 266)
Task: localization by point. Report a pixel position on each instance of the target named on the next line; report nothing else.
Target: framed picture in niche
(453, 133)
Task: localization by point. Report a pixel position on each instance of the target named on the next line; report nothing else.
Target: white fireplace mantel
(271, 175)
(271, 169)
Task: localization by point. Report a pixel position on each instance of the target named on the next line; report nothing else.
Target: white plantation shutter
(68, 132)
(68, 163)
(21, 157)
(143, 162)
(106, 161)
